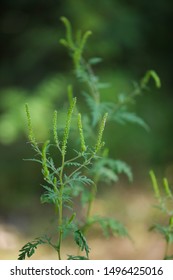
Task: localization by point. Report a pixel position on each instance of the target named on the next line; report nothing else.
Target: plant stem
(82, 165)
(166, 249)
(60, 212)
(88, 223)
(90, 204)
(60, 230)
(92, 85)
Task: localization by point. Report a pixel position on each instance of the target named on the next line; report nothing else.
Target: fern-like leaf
(166, 231)
(122, 117)
(50, 196)
(110, 226)
(73, 163)
(98, 109)
(78, 178)
(81, 242)
(107, 170)
(29, 248)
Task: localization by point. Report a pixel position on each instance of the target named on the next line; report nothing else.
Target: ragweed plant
(61, 181)
(107, 169)
(164, 197)
(80, 175)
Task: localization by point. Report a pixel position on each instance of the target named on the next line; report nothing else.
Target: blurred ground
(131, 206)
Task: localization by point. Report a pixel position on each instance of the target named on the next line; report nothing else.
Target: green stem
(93, 87)
(90, 204)
(82, 165)
(60, 230)
(73, 159)
(87, 224)
(166, 249)
(60, 212)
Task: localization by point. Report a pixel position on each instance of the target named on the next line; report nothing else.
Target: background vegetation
(131, 37)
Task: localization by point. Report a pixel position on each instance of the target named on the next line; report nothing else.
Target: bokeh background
(132, 37)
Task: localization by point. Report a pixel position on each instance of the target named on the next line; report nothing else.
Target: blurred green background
(131, 37)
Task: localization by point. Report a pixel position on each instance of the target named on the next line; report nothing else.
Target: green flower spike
(83, 146)
(67, 127)
(99, 143)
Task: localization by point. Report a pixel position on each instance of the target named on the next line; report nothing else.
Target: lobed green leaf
(110, 226)
(29, 248)
(81, 242)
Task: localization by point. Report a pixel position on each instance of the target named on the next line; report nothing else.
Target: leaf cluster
(107, 170)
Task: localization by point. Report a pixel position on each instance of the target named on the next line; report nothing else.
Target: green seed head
(44, 160)
(82, 139)
(99, 143)
(55, 129)
(31, 134)
(67, 127)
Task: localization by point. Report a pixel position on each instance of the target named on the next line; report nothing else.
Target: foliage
(109, 226)
(81, 242)
(79, 169)
(107, 170)
(59, 181)
(165, 206)
(29, 248)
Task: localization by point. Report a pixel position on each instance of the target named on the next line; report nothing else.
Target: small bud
(72, 218)
(167, 188)
(155, 184)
